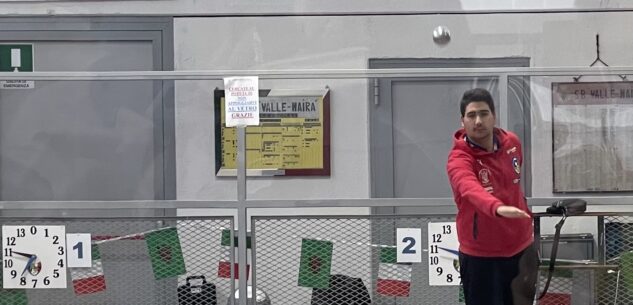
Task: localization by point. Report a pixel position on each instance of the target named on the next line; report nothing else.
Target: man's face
(478, 121)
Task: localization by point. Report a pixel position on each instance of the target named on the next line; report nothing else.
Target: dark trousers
(500, 280)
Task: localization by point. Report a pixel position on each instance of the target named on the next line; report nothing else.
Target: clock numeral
(439, 270)
(33, 230)
(45, 232)
(60, 263)
(34, 282)
(14, 274)
(55, 240)
(60, 250)
(22, 281)
(21, 232)
(433, 248)
(449, 278)
(10, 241)
(434, 260)
(46, 281)
(437, 238)
(446, 229)
(8, 252)
(409, 248)
(55, 273)
(8, 263)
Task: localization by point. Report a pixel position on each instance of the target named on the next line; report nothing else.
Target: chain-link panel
(615, 286)
(138, 261)
(336, 260)
(568, 286)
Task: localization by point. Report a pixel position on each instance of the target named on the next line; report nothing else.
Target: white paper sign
(241, 106)
(16, 60)
(17, 84)
(79, 250)
(408, 245)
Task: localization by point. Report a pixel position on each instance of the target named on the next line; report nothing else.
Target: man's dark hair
(476, 95)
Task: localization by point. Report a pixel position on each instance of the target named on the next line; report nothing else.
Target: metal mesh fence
(337, 260)
(351, 248)
(568, 286)
(294, 260)
(615, 286)
(138, 261)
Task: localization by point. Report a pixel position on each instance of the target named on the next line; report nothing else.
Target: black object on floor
(203, 294)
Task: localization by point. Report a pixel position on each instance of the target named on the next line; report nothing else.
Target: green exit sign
(16, 57)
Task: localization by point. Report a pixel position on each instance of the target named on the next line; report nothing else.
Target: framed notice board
(592, 127)
(292, 139)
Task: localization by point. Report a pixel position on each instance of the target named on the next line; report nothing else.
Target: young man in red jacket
(498, 261)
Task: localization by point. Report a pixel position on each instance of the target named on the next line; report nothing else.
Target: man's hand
(511, 212)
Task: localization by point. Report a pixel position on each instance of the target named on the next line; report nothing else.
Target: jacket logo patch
(515, 165)
(484, 176)
(511, 150)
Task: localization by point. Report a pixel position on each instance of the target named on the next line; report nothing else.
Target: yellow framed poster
(292, 139)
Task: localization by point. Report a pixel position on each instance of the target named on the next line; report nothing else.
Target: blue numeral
(80, 250)
(408, 249)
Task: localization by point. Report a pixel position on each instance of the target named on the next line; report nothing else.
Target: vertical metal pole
(253, 265)
(241, 213)
(503, 101)
(602, 247)
(232, 247)
(537, 246)
(537, 234)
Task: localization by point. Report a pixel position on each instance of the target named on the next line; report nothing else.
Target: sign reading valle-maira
(16, 58)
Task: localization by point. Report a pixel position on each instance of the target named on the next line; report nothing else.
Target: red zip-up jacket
(482, 181)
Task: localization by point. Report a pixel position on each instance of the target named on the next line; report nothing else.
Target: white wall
(198, 7)
(550, 40)
(254, 43)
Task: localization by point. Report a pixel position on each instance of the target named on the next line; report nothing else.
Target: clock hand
(28, 264)
(455, 252)
(24, 254)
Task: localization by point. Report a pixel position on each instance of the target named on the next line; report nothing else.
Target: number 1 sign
(79, 250)
(408, 245)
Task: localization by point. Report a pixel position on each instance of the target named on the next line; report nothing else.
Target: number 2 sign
(408, 245)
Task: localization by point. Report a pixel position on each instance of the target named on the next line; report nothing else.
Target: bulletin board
(591, 136)
(292, 139)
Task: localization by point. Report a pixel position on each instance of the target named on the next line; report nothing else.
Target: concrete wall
(550, 40)
(203, 7)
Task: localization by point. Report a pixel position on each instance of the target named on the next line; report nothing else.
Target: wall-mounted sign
(592, 127)
(16, 58)
(241, 101)
(408, 245)
(292, 138)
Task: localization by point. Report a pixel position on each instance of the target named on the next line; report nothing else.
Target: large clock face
(33, 256)
(443, 254)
